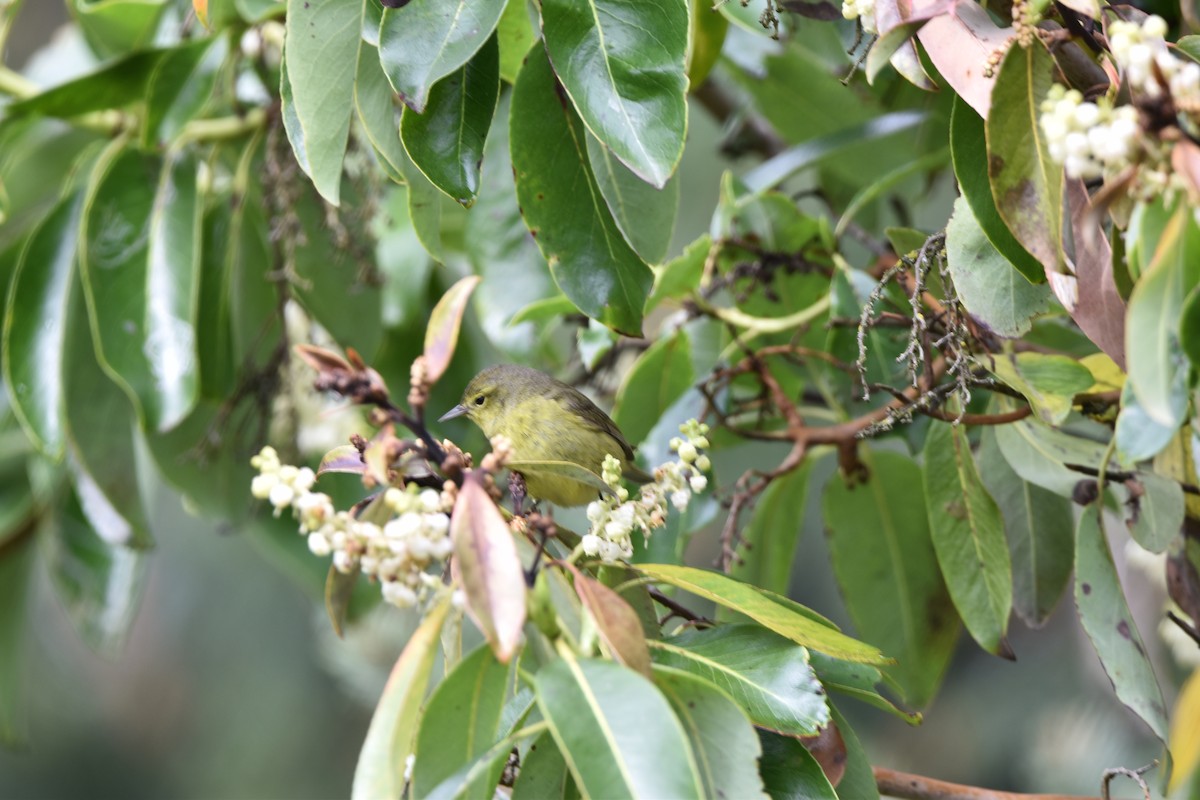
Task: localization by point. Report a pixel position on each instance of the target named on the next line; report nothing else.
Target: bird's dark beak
(458, 411)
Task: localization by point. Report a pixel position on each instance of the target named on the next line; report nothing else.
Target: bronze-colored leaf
(1100, 312)
(441, 334)
(959, 45)
(320, 359)
(616, 622)
(829, 749)
(488, 568)
(344, 458)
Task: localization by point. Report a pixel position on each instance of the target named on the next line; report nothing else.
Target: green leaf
(426, 40)
(721, 737)
(680, 276)
(98, 583)
(988, 285)
(180, 87)
(563, 208)
(323, 39)
(774, 531)
(1039, 453)
(16, 568)
(708, 31)
(885, 564)
(1152, 325)
(544, 773)
(968, 536)
(616, 731)
(545, 309)
(1106, 618)
(1156, 516)
(1039, 527)
(968, 151)
(461, 720)
(516, 34)
(140, 264)
(116, 27)
(487, 566)
(1027, 186)
(101, 433)
(858, 781)
(1049, 382)
(657, 379)
(766, 674)
(622, 65)
(645, 215)
(35, 325)
(404, 263)
(376, 109)
(393, 730)
(446, 140)
(477, 779)
(1138, 436)
(563, 470)
(790, 772)
(859, 681)
(114, 85)
(747, 600)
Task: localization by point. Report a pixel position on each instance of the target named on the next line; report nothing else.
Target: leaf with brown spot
(1100, 312)
(616, 622)
(441, 334)
(829, 749)
(488, 568)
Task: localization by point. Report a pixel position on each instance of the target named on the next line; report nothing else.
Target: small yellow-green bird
(546, 420)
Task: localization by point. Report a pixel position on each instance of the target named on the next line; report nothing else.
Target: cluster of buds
(615, 518)
(863, 11)
(1148, 64)
(1090, 140)
(399, 553)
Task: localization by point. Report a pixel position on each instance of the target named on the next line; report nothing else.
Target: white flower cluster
(398, 554)
(863, 11)
(1090, 140)
(1141, 52)
(614, 518)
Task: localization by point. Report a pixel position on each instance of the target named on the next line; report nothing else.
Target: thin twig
(905, 785)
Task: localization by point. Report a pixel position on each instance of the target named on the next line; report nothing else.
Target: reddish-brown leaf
(487, 567)
(616, 622)
(829, 749)
(441, 334)
(1100, 312)
(960, 45)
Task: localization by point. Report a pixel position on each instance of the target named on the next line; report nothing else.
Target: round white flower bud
(281, 495)
(437, 524)
(319, 545)
(403, 526)
(591, 544)
(305, 478)
(343, 562)
(399, 595)
(687, 452)
(698, 483)
(430, 500)
(679, 499)
(262, 485)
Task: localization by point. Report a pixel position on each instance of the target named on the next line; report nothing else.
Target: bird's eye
(480, 400)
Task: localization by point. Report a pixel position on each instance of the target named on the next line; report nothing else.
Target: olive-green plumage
(546, 420)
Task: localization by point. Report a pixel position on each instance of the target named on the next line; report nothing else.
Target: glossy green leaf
(461, 721)
(1106, 618)
(544, 309)
(968, 151)
(680, 276)
(427, 40)
(563, 207)
(16, 568)
(393, 731)
(616, 731)
(645, 215)
(1039, 453)
(487, 566)
(181, 86)
(721, 737)
(885, 564)
(988, 285)
(967, 530)
(1140, 437)
(773, 533)
(657, 379)
(1027, 185)
(858, 781)
(323, 39)
(707, 36)
(544, 773)
(516, 35)
(101, 433)
(622, 64)
(768, 675)
(97, 583)
(860, 681)
(747, 600)
(373, 101)
(1156, 515)
(1039, 527)
(1152, 325)
(477, 779)
(35, 324)
(446, 140)
(1048, 381)
(115, 27)
(140, 263)
(790, 772)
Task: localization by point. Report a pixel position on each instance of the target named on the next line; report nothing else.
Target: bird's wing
(578, 403)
